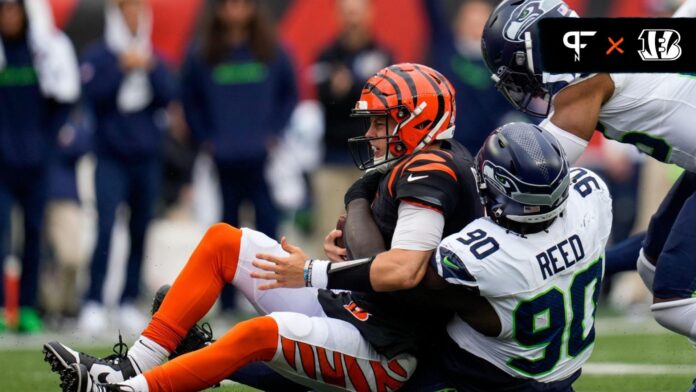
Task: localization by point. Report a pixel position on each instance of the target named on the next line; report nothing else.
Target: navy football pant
(671, 240)
(240, 181)
(27, 188)
(137, 185)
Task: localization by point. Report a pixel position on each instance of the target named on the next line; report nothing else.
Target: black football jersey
(443, 180)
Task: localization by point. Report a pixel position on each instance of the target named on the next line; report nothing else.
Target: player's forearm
(398, 269)
(361, 234)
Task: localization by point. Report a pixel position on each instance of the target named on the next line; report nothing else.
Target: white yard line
(618, 368)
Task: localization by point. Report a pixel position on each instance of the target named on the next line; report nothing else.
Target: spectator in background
(339, 74)
(64, 220)
(38, 83)
(456, 52)
(238, 92)
(127, 87)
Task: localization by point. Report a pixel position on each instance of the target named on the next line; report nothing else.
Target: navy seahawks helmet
(523, 175)
(508, 50)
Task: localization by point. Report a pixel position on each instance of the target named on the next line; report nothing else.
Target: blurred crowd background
(172, 115)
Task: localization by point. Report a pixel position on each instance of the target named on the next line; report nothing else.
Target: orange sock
(212, 265)
(249, 341)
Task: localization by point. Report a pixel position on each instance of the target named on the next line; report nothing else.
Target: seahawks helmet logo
(527, 14)
(507, 184)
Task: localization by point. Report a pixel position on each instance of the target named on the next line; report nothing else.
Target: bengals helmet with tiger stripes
(418, 98)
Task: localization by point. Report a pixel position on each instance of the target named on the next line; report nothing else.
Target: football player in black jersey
(419, 187)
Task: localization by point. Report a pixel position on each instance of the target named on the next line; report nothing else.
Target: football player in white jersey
(654, 112)
(537, 259)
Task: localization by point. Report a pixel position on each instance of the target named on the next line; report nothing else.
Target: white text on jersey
(551, 264)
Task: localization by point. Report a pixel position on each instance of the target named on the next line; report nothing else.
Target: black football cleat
(76, 378)
(112, 369)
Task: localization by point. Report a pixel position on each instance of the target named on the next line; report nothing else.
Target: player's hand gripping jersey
(438, 179)
(543, 286)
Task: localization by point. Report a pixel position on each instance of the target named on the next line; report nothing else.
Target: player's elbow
(411, 281)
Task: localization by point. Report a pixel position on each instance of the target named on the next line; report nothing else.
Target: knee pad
(678, 316)
(646, 270)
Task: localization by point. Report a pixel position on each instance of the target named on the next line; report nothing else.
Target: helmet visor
(363, 148)
(524, 92)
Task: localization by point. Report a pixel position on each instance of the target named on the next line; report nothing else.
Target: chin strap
(528, 49)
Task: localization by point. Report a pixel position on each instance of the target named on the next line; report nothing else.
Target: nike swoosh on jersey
(412, 178)
(446, 261)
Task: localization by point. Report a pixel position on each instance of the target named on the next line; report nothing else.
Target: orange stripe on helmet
(410, 84)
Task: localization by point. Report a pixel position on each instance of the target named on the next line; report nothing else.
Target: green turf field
(627, 357)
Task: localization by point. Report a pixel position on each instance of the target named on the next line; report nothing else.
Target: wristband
(320, 274)
(351, 275)
(308, 273)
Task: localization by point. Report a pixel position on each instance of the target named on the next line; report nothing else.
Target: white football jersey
(543, 286)
(654, 112)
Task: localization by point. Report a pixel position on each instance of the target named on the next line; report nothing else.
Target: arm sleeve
(573, 145)
(361, 234)
(417, 228)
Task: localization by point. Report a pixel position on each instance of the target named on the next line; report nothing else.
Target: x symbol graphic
(615, 45)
